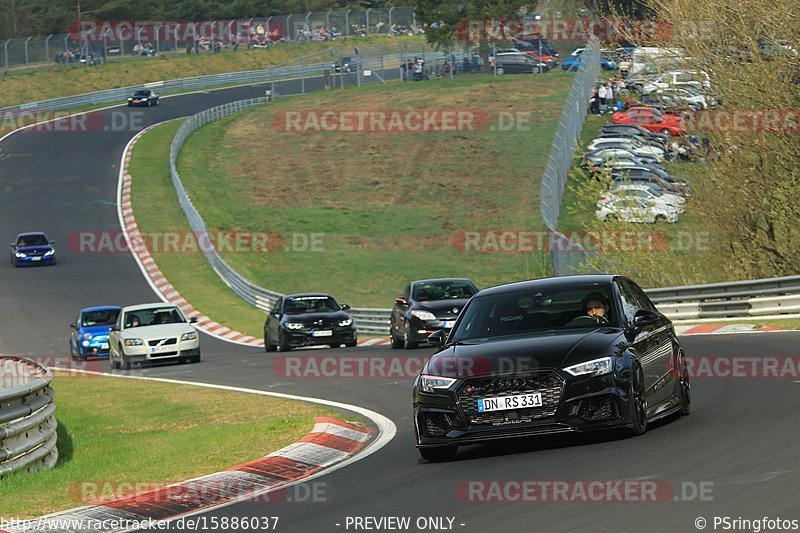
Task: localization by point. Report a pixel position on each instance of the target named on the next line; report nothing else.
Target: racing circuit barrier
(567, 258)
(27, 422)
(375, 62)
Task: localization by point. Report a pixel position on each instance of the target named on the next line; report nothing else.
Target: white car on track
(154, 332)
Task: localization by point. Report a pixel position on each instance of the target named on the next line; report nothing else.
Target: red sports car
(652, 119)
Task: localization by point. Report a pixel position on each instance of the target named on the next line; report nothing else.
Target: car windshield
(529, 310)
(33, 240)
(153, 316)
(309, 304)
(443, 290)
(102, 317)
(141, 93)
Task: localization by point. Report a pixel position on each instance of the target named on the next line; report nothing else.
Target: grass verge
(389, 207)
(148, 433)
(57, 81)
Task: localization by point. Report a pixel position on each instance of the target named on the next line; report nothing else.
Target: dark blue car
(89, 333)
(32, 249)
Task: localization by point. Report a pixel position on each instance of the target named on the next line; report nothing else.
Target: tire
(684, 388)
(660, 219)
(71, 351)
(195, 359)
(439, 455)
(125, 363)
(536, 70)
(283, 345)
(396, 343)
(407, 343)
(267, 346)
(351, 344)
(114, 363)
(637, 402)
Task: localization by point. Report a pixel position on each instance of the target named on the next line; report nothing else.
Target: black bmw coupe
(556, 355)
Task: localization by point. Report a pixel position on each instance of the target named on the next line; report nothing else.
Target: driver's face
(595, 308)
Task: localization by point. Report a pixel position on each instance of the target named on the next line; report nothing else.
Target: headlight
(132, 342)
(432, 383)
(143, 99)
(294, 325)
(595, 367)
(346, 322)
(85, 344)
(49, 252)
(87, 336)
(20, 254)
(424, 315)
(189, 336)
(129, 99)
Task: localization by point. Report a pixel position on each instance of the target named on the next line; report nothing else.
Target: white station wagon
(152, 332)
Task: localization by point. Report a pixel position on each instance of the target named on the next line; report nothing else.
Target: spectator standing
(602, 94)
(610, 97)
(594, 102)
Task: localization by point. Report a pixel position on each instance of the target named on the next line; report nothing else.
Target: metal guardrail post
(47, 49)
(5, 47)
(26, 51)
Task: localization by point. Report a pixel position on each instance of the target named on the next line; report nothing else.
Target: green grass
(113, 431)
(390, 206)
(155, 205)
(57, 80)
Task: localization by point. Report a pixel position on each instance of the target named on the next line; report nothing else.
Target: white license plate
(504, 403)
(36, 258)
(163, 348)
(448, 323)
(323, 333)
(104, 346)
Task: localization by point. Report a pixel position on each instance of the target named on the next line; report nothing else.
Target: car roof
(30, 234)
(101, 308)
(561, 282)
(139, 307)
(439, 280)
(306, 294)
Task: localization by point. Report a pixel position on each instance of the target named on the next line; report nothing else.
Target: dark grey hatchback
(556, 355)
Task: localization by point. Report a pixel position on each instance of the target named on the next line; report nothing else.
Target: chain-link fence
(94, 41)
(567, 257)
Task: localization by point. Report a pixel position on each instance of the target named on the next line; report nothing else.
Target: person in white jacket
(602, 94)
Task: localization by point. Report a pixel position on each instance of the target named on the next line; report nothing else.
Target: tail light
(603, 197)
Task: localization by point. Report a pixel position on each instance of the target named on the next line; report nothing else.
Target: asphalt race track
(740, 440)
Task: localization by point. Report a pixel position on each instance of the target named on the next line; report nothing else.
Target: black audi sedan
(558, 355)
(298, 320)
(426, 306)
(143, 97)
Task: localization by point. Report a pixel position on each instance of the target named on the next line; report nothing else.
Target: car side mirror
(52, 242)
(193, 320)
(437, 338)
(114, 328)
(345, 307)
(13, 244)
(644, 318)
(73, 325)
(275, 312)
(401, 301)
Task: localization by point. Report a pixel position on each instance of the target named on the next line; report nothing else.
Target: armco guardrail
(373, 58)
(27, 421)
(754, 298)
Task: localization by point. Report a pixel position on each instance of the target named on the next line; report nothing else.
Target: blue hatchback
(573, 62)
(89, 333)
(32, 248)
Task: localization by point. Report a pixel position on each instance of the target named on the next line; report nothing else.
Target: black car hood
(441, 306)
(527, 352)
(309, 318)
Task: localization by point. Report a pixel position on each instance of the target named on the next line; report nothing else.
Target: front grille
(549, 384)
(438, 424)
(597, 408)
(156, 342)
(162, 354)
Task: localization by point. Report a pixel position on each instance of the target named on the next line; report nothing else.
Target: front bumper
(304, 337)
(569, 405)
(35, 260)
(420, 329)
(146, 353)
